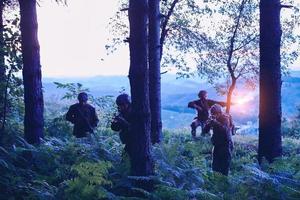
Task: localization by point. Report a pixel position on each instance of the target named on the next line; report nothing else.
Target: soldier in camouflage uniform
(122, 121)
(221, 139)
(202, 105)
(83, 116)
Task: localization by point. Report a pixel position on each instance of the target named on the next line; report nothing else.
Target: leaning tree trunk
(33, 95)
(140, 148)
(154, 70)
(229, 95)
(270, 81)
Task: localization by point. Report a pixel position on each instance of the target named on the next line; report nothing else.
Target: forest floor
(68, 168)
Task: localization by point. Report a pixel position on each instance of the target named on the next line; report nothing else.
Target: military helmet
(82, 97)
(123, 99)
(216, 109)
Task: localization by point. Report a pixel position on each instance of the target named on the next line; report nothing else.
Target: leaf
(4, 164)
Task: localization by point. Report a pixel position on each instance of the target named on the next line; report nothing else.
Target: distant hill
(176, 93)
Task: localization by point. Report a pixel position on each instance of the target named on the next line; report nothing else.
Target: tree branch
(232, 40)
(236, 64)
(246, 43)
(164, 30)
(286, 6)
(124, 9)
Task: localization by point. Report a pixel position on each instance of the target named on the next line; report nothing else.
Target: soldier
(202, 105)
(83, 116)
(219, 122)
(121, 122)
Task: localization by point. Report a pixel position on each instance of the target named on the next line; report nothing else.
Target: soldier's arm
(193, 104)
(222, 123)
(95, 119)
(208, 125)
(119, 123)
(70, 116)
(124, 123)
(115, 125)
(212, 102)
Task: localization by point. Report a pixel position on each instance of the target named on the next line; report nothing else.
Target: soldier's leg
(223, 157)
(217, 161)
(225, 164)
(193, 128)
(202, 123)
(214, 160)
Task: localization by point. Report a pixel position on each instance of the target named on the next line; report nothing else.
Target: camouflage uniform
(222, 142)
(122, 121)
(84, 118)
(202, 115)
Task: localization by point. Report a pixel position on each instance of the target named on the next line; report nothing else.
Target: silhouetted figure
(83, 116)
(121, 122)
(202, 105)
(219, 122)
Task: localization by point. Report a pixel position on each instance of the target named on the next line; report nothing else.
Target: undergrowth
(97, 168)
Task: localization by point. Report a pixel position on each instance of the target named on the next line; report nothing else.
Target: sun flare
(243, 99)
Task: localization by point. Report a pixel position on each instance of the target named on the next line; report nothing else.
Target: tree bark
(229, 95)
(5, 102)
(154, 71)
(270, 145)
(140, 148)
(33, 95)
(2, 65)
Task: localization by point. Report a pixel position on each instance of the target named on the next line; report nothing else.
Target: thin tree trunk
(154, 70)
(33, 95)
(270, 145)
(164, 29)
(229, 95)
(140, 148)
(2, 65)
(5, 101)
(230, 54)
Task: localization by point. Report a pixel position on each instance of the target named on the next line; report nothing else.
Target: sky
(73, 38)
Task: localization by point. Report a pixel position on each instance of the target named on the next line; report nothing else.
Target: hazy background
(73, 39)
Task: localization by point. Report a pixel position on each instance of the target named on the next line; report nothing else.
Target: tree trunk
(2, 66)
(229, 95)
(140, 148)
(33, 95)
(154, 71)
(270, 81)
(5, 101)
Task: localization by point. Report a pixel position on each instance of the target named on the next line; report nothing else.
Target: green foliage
(72, 89)
(105, 105)
(169, 193)
(96, 168)
(55, 123)
(216, 40)
(291, 126)
(58, 126)
(88, 184)
(11, 90)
